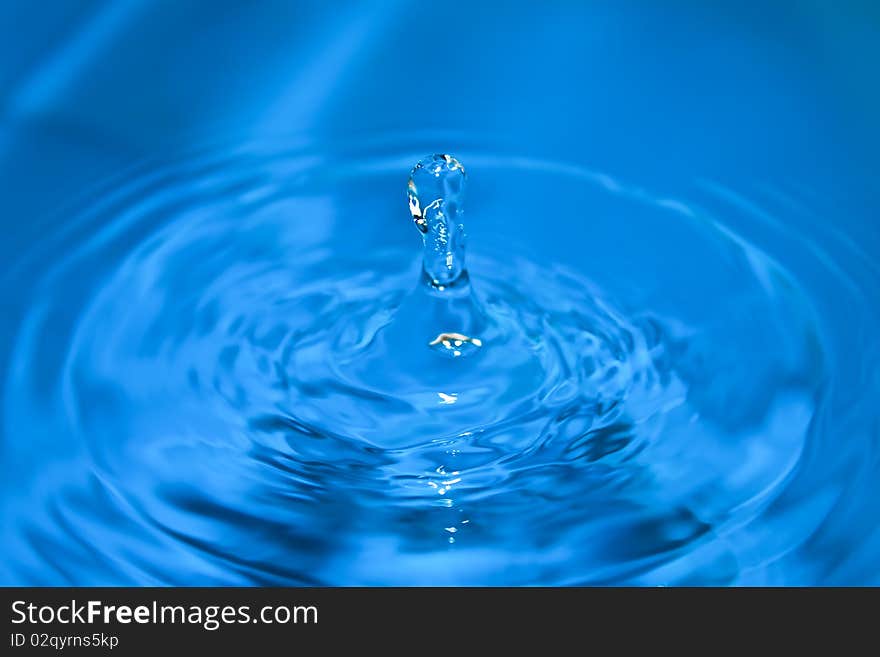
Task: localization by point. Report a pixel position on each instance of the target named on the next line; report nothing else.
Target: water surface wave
(204, 390)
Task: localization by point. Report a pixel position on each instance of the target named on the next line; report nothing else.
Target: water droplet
(436, 193)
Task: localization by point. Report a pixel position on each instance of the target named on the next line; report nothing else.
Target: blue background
(726, 91)
(749, 95)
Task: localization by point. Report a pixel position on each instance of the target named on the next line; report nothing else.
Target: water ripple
(204, 391)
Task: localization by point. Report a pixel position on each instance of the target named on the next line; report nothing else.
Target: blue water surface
(223, 364)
